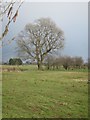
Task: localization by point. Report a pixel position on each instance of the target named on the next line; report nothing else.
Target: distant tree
(65, 61)
(5, 63)
(49, 61)
(85, 65)
(18, 61)
(11, 62)
(59, 62)
(15, 61)
(78, 62)
(39, 39)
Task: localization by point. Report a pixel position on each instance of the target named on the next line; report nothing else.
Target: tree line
(52, 63)
(65, 62)
(39, 41)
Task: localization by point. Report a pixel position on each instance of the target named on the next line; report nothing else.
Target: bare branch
(7, 9)
(41, 38)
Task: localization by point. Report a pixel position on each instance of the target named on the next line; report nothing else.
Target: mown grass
(0, 95)
(49, 94)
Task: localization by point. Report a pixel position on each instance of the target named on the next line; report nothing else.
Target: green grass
(0, 95)
(49, 94)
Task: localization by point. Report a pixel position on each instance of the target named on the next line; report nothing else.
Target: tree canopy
(38, 39)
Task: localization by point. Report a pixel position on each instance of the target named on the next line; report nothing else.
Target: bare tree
(50, 61)
(59, 62)
(78, 62)
(9, 9)
(66, 61)
(40, 38)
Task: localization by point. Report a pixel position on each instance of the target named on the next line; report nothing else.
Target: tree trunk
(39, 65)
(48, 66)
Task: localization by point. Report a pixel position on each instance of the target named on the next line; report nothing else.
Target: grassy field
(49, 94)
(0, 95)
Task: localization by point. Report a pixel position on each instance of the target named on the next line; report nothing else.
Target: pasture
(49, 93)
(0, 94)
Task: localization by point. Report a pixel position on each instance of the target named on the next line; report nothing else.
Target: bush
(15, 61)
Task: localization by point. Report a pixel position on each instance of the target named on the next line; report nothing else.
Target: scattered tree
(66, 62)
(49, 61)
(78, 62)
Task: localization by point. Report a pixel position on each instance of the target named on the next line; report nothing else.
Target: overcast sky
(72, 18)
